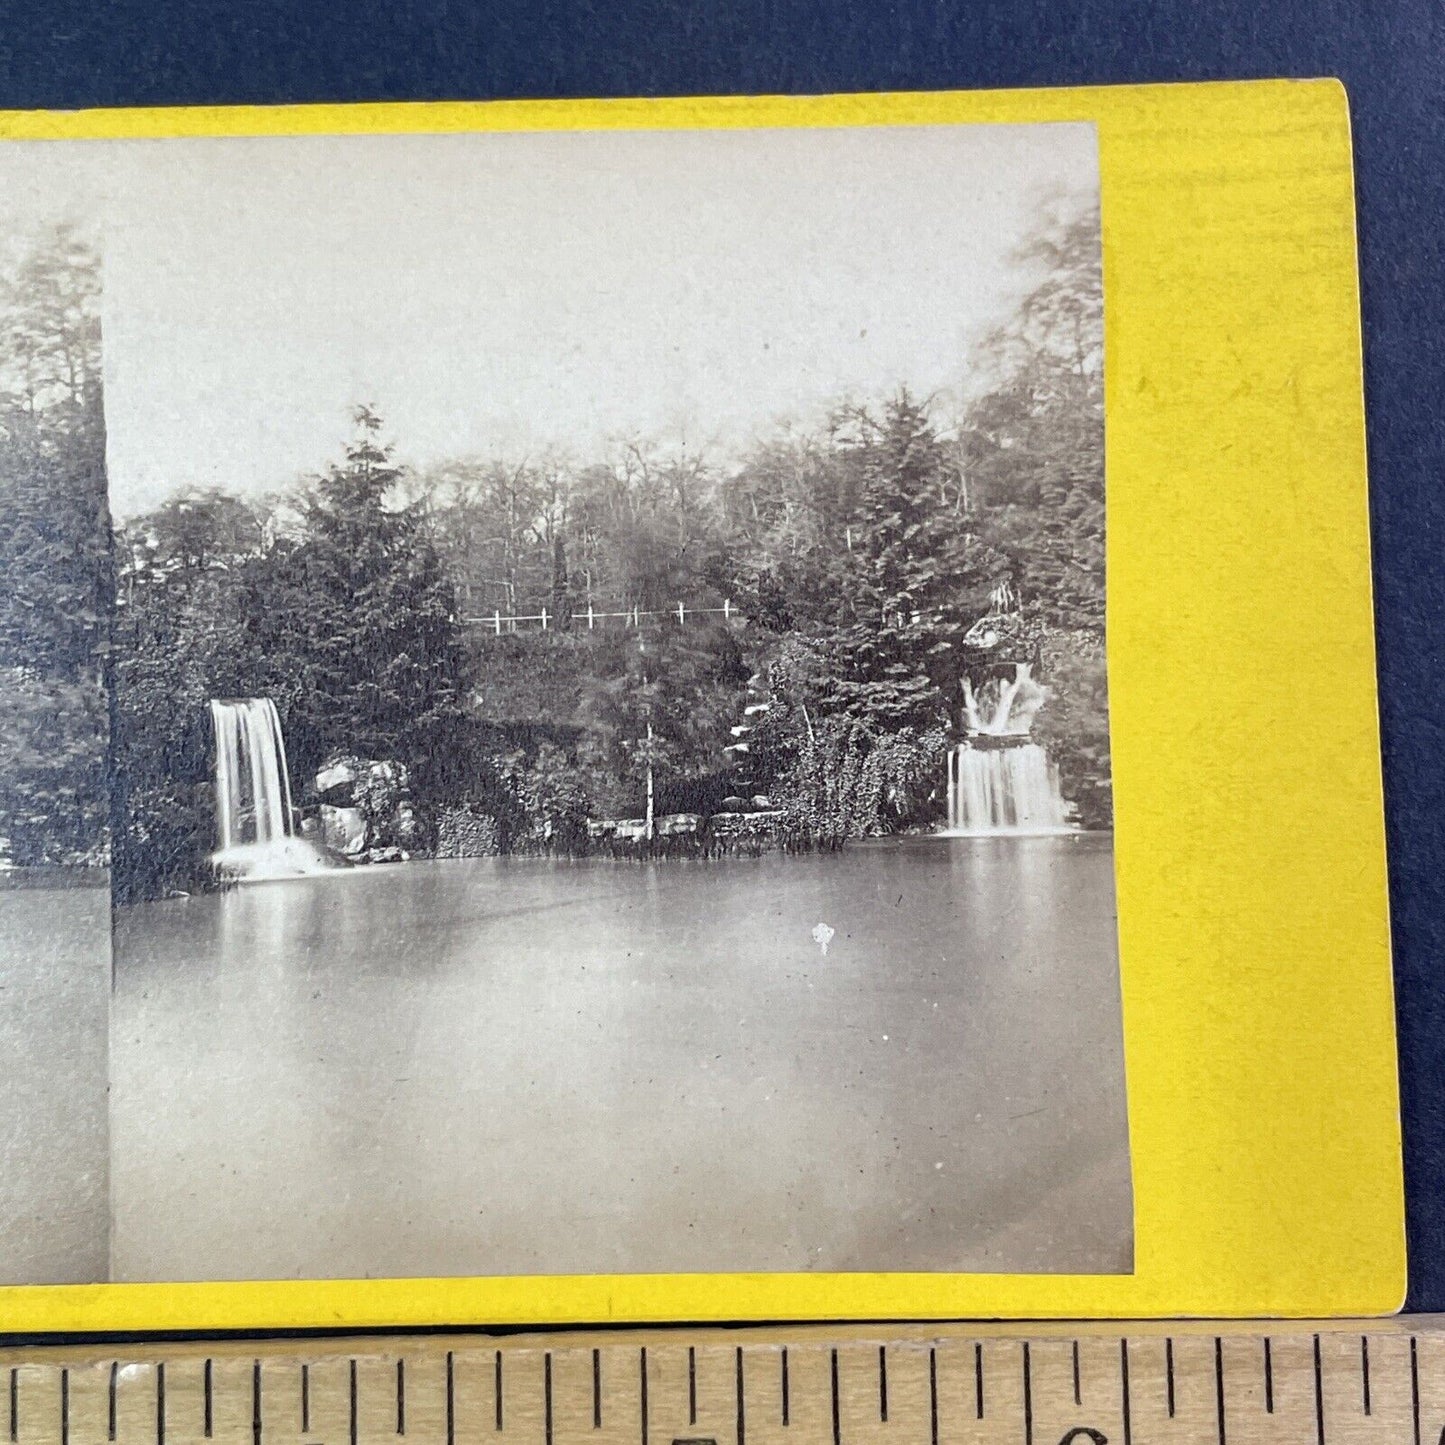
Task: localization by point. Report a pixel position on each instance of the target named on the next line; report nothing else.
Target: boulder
(343, 830)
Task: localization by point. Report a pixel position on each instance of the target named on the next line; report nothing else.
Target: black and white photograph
(580, 661)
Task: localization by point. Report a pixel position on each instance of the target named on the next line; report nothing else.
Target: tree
(361, 630)
(659, 708)
(55, 556)
(923, 574)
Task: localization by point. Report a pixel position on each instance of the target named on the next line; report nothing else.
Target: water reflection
(510, 1066)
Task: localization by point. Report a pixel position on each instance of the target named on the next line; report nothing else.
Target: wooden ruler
(1178, 1384)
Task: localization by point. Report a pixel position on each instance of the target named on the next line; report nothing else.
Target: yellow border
(1259, 1023)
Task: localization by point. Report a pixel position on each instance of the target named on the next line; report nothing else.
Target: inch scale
(1378, 1382)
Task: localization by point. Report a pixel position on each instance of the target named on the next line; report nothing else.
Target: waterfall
(256, 828)
(1012, 789)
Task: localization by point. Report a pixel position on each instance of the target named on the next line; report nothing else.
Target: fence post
(636, 622)
(589, 617)
(681, 615)
(497, 621)
(544, 619)
(727, 608)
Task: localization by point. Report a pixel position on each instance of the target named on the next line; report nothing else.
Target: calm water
(54, 996)
(515, 1066)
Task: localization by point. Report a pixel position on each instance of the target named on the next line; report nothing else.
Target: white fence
(543, 621)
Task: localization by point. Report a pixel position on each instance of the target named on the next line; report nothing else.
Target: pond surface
(502, 1066)
(54, 998)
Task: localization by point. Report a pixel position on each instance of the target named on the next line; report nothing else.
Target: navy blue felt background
(1390, 53)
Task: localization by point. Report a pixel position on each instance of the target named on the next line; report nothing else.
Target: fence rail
(544, 621)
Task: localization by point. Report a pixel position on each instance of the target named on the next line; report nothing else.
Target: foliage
(377, 606)
(1074, 726)
(55, 558)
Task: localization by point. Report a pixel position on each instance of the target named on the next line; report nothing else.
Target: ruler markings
(1326, 1385)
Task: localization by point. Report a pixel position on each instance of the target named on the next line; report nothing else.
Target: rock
(338, 774)
(343, 830)
(761, 800)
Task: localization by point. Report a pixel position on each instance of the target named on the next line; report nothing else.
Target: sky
(511, 292)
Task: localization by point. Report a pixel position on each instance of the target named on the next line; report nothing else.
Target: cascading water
(998, 781)
(1012, 789)
(255, 822)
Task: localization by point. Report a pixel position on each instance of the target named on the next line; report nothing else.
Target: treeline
(55, 559)
(861, 553)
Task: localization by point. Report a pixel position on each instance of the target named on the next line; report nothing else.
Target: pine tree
(371, 617)
(922, 578)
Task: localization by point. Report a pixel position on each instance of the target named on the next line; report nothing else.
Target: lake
(500, 1066)
(54, 999)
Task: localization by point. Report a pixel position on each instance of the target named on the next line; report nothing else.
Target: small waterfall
(255, 821)
(1012, 789)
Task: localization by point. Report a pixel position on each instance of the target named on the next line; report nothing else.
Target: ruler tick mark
(1028, 1398)
(1268, 1378)
(256, 1402)
(883, 1383)
(305, 1399)
(691, 1385)
(1077, 1394)
(1415, 1390)
(1169, 1373)
(452, 1400)
(932, 1395)
(351, 1405)
(837, 1422)
(978, 1380)
(15, 1404)
(742, 1421)
(110, 1408)
(64, 1407)
(161, 1403)
(401, 1397)
(1319, 1397)
(1219, 1385)
(1365, 1372)
(642, 1377)
(785, 1384)
(206, 1397)
(596, 1389)
(1124, 1388)
(547, 1397)
(496, 1393)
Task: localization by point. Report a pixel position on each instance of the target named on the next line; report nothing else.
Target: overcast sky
(507, 291)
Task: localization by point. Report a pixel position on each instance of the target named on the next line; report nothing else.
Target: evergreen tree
(368, 627)
(923, 576)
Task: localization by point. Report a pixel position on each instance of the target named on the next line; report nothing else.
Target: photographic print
(55, 560)
(609, 763)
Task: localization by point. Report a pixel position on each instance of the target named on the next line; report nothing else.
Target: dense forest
(55, 558)
(375, 605)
